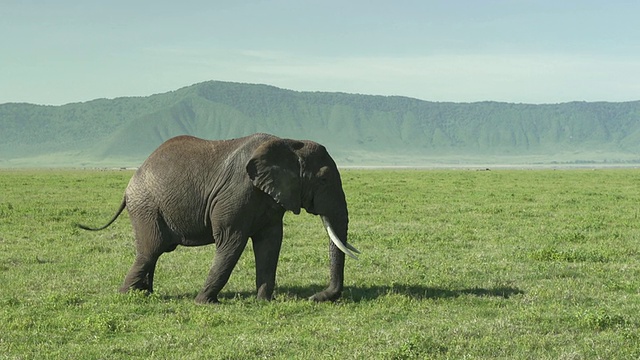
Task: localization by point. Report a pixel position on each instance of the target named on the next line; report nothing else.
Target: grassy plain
(526, 264)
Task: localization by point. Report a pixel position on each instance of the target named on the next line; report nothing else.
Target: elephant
(195, 192)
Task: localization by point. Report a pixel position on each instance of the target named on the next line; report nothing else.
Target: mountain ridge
(357, 129)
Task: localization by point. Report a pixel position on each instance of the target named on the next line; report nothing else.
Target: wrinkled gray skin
(194, 192)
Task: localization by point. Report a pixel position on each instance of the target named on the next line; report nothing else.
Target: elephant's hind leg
(152, 240)
(140, 276)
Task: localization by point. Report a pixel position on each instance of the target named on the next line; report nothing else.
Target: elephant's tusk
(339, 243)
(350, 247)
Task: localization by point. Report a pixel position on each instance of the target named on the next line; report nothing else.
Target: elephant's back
(182, 153)
(186, 149)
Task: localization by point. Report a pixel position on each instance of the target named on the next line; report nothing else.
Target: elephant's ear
(275, 169)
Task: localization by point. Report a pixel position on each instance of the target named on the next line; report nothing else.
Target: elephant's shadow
(417, 292)
(367, 293)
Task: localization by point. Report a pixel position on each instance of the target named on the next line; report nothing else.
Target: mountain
(357, 129)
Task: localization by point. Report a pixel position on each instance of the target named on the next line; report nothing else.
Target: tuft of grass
(569, 255)
(600, 320)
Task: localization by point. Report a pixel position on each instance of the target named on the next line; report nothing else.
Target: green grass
(455, 264)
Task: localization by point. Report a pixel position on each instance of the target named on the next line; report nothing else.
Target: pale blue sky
(522, 51)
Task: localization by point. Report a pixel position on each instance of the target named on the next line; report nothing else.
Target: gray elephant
(194, 192)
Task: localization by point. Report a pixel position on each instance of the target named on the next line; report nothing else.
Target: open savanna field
(513, 264)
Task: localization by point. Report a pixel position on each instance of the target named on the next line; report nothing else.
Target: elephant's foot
(326, 295)
(135, 286)
(265, 292)
(134, 291)
(205, 299)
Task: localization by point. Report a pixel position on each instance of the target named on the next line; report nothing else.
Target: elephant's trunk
(338, 247)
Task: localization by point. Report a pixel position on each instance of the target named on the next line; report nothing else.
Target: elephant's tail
(123, 204)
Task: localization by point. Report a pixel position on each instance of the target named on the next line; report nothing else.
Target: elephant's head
(301, 174)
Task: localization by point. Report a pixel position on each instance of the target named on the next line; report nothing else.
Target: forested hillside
(357, 129)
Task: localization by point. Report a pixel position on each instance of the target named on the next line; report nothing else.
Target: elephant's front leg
(266, 248)
(228, 250)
